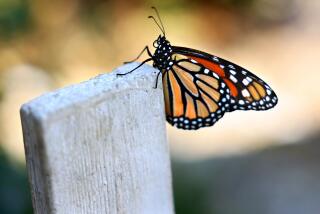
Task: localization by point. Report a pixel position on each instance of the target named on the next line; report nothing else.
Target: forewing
(246, 89)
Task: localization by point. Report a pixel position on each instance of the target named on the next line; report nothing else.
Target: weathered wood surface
(99, 147)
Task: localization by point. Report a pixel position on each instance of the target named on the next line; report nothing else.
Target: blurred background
(249, 162)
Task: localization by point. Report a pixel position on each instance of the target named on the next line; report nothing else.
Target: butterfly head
(162, 55)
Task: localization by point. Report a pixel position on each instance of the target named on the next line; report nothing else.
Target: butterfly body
(199, 88)
(162, 57)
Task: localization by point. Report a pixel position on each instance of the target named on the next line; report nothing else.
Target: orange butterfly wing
(248, 92)
(194, 96)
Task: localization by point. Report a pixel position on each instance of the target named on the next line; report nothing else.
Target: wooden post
(100, 146)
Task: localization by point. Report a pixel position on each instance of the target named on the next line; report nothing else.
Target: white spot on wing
(233, 72)
(245, 82)
(233, 79)
(215, 75)
(268, 92)
(245, 93)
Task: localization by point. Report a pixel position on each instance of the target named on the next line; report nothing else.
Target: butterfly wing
(248, 92)
(194, 97)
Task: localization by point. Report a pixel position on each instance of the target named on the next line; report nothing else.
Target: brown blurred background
(250, 162)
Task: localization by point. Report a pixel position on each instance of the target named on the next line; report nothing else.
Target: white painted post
(100, 147)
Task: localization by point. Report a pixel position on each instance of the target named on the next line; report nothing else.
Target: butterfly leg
(145, 49)
(156, 85)
(142, 63)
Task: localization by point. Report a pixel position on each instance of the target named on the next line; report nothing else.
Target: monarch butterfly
(199, 87)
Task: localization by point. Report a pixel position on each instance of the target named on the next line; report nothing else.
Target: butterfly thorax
(162, 55)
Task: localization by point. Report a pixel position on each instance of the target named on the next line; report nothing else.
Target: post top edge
(103, 84)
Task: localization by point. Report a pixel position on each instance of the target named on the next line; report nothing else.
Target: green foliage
(15, 195)
(190, 187)
(14, 17)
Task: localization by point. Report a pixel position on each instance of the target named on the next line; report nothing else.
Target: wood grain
(99, 146)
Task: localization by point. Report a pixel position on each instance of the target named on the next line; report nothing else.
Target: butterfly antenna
(162, 30)
(155, 9)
